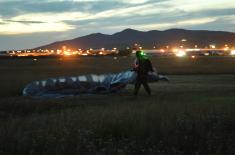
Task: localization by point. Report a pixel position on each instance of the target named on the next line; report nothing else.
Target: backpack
(144, 66)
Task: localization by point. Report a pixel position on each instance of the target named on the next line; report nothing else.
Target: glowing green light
(142, 53)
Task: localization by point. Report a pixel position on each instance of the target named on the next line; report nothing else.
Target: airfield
(193, 114)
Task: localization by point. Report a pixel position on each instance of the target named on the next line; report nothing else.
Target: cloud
(122, 1)
(19, 27)
(52, 17)
(196, 5)
(134, 1)
(73, 18)
(26, 22)
(32, 21)
(13, 8)
(166, 25)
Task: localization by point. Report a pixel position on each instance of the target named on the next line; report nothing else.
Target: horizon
(26, 24)
(116, 33)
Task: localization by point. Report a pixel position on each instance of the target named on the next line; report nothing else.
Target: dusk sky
(31, 23)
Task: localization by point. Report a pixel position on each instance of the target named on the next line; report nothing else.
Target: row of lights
(64, 51)
(226, 47)
(182, 53)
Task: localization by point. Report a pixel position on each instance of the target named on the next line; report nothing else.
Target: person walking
(142, 66)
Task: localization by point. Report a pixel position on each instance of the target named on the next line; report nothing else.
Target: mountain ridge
(148, 39)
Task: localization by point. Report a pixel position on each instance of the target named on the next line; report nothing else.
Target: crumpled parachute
(85, 84)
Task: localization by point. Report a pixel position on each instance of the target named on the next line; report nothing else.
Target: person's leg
(146, 87)
(137, 86)
(145, 84)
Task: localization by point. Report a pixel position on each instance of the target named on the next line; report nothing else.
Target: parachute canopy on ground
(84, 84)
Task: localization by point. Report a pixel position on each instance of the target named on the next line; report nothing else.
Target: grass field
(193, 114)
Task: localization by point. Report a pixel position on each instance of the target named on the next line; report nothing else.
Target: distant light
(232, 52)
(115, 58)
(58, 51)
(212, 46)
(64, 47)
(162, 50)
(66, 53)
(183, 40)
(175, 50)
(180, 53)
(226, 48)
(193, 56)
(35, 59)
(194, 49)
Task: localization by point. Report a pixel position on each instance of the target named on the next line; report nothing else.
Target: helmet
(140, 54)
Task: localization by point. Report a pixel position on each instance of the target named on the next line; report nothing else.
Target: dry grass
(194, 114)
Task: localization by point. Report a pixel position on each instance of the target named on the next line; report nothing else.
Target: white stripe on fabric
(74, 79)
(95, 78)
(82, 78)
(62, 79)
(44, 83)
(54, 80)
(101, 78)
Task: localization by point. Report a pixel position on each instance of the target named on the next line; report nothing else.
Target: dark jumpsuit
(143, 66)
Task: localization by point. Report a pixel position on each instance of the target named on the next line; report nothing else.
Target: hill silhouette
(148, 39)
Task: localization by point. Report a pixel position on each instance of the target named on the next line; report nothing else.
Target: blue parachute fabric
(84, 84)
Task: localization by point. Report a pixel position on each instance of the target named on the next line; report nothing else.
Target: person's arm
(150, 66)
(136, 65)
